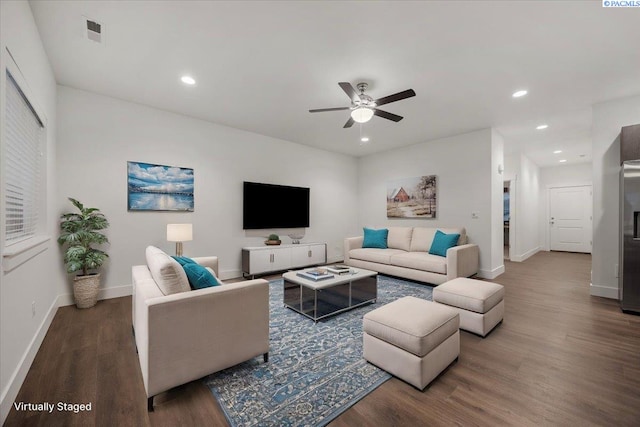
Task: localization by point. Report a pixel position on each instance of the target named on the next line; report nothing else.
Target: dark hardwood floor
(561, 357)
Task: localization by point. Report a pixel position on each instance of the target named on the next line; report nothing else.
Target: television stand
(268, 259)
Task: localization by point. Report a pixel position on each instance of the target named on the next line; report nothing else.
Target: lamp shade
(179, 232)
(362, 114)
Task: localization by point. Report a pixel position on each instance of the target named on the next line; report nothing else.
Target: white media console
(266, 259)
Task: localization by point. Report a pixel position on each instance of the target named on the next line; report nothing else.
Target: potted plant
(79, 234)
(273, 239)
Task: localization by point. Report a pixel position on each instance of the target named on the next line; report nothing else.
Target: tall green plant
(79, 232)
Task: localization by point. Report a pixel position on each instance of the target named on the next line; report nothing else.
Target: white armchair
(187, 335)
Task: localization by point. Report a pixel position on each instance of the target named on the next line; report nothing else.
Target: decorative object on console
(80, 233)
(179, 233)
(273, 239)
(159, 188)
(296, 237)
(412, 197)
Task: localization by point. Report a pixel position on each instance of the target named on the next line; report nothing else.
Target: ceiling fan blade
(350, 91)
(395, 97)
(349, 123)
(386, 115)
(320, 110)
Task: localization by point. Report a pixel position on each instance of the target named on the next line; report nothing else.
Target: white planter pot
(85, 290)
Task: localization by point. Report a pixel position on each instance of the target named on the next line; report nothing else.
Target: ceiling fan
(363, 107)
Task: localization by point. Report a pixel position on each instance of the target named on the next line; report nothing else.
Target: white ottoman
(480, 304)
(412, 339)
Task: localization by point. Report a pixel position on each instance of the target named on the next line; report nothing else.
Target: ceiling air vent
(93, 30)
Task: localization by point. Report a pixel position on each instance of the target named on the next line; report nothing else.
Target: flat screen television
(274, 206)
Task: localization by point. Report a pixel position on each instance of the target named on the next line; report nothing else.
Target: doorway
(508, 218)
(570, 216)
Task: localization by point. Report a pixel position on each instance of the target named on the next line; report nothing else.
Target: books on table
(314, 275)
(317, 271)
(339, 269)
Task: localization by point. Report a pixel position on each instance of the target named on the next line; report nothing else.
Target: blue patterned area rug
(315, 370)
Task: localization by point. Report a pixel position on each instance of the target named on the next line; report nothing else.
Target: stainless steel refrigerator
(629, 279)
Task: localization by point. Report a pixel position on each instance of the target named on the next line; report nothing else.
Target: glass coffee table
(327, 297)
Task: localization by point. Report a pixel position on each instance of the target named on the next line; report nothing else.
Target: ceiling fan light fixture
(362, 114)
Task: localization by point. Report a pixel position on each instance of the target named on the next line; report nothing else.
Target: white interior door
(570, 216)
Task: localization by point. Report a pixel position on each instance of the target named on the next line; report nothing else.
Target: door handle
(551, 222)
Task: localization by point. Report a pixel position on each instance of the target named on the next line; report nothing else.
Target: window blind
(24, 137)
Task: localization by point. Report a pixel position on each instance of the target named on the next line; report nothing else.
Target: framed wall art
(153, 187)
(412, 197)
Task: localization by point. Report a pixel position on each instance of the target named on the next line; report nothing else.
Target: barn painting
(412, 197)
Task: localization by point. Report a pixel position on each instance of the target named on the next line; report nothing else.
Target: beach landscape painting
(412, 197)
(159, 188)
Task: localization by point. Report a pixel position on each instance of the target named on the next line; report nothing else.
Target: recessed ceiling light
(557, 152)
(563, 161)
(188, 80)
(542, 127)
(519, 93)
(364, 139)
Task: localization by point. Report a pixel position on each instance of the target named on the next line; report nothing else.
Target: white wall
(98, 135)
(497, 203)
(524, 223)
(558, 176)
(462, 165)
(608, 118)
(527, 236)
(34, 280)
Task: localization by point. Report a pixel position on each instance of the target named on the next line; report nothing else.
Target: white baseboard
(491, 274)
(524, 256)
(15, 382)
(105, 293)
(603, 291)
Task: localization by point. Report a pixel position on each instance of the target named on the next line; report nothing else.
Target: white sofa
(186, 335)
(407, 255)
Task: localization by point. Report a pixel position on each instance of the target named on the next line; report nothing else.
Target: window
(24, 139)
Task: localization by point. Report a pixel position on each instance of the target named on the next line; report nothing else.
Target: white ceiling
(260, 66)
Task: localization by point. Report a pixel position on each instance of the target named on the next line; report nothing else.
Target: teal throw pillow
(199, 277)
(442, 242)
(375, 238)
(183, 260)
